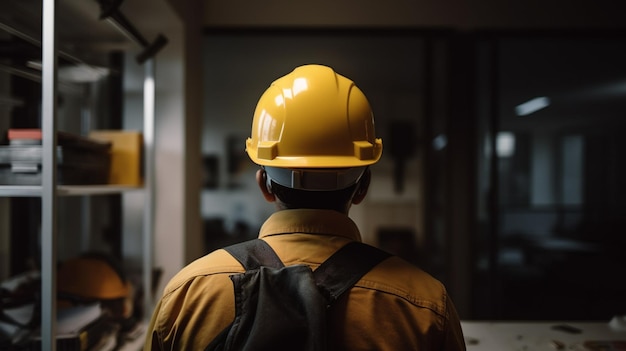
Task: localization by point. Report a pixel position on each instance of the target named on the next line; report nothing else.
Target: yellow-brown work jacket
(395, 306)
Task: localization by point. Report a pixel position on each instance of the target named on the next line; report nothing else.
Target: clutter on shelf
(98, 307)
(80, 160)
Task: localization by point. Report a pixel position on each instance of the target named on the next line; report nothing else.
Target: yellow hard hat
(313, 118)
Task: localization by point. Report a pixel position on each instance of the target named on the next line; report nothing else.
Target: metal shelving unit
(49, 191)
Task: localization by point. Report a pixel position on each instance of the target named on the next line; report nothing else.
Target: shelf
(22, 19)
(66, 190)
(50, 38)
(109, 30)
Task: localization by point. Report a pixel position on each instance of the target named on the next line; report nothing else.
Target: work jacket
(395, 306)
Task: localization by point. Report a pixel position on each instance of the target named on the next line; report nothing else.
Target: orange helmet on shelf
(91, 278)
(95, 277)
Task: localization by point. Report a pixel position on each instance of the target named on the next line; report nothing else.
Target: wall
(463, 14)
(190, 12)
(176, 200)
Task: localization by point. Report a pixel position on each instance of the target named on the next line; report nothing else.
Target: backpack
(285, 308)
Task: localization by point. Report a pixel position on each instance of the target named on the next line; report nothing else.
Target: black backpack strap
(334, 276)
(346, 266)
(253, 254)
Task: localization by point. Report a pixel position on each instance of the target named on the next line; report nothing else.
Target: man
(313, 136)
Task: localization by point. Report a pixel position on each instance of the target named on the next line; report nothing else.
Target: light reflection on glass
(532, 106)
(505, 144)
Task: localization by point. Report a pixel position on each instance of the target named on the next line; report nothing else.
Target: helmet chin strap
(314, 179)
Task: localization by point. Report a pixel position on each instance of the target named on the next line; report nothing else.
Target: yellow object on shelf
(126, 155)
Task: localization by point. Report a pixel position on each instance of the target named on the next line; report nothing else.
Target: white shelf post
(49, 176)
(149, 102)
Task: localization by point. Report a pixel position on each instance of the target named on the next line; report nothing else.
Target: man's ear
(261, 179)
(362, 187)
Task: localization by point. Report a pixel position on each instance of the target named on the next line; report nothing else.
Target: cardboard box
(126, 155)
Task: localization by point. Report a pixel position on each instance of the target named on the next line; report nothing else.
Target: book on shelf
(19, 136)
(79, 328)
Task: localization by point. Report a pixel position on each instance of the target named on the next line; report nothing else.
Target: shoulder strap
(255, 253)
(346, 266)
(335, 275)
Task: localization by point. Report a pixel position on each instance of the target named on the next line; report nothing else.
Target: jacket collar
(309, 221)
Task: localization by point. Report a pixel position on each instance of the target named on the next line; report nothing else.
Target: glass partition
(551, 196)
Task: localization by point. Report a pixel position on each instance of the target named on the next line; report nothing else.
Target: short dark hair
(331, 200)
